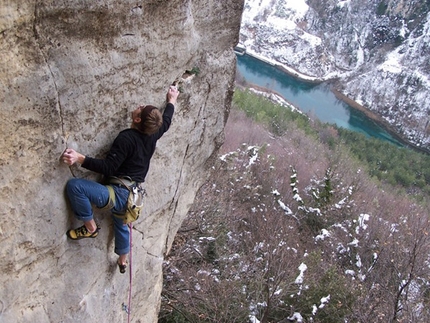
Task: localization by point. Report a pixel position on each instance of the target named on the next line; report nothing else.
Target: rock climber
(127, 159)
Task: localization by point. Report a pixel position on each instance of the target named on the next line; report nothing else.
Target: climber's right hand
(172, 94)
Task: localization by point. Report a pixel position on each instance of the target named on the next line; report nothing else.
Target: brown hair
(151, 120)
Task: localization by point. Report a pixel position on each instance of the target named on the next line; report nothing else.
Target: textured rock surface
(71, 72)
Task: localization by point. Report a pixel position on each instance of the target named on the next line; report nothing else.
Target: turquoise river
(313, 99)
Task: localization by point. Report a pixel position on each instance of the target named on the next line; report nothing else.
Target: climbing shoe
(81, 233)
(122, 268)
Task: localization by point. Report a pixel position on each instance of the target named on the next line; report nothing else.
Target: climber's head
(147, 119)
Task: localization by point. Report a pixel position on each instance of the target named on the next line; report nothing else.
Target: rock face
(71, 72)
(377, 51)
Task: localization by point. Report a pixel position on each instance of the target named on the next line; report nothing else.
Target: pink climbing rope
(131, 272)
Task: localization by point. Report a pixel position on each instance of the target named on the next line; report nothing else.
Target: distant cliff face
(71, 72)
(378, 50)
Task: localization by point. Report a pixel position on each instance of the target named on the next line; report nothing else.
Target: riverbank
(373, 116)
(377, 119)
(286, 69)
(279, 98)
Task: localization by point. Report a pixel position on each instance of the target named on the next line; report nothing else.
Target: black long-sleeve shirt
(131, 152)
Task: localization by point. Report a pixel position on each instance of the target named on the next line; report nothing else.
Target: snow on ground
(414, 45)
(292, 12)
(324, 234)
(276, 99)
(253, 8)
(302, 269)
(296, 9)
(296, 317)
(392, 64)
(343, 3)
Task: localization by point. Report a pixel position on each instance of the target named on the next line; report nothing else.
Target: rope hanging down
(131, 272)
(127, 308)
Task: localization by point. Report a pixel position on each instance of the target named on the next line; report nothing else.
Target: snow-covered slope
(376, 51)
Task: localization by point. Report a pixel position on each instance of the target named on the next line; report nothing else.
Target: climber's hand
(70, 157)
(172, 94)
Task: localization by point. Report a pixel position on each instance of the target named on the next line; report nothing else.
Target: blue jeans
(84, 193)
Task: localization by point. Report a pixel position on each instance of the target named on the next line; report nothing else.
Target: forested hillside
(293, 226)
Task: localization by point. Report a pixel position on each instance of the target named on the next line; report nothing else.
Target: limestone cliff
(71, 72)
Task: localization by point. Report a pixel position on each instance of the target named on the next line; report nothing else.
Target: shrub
(328, 296)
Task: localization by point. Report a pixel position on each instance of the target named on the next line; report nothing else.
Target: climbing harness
(134, 201)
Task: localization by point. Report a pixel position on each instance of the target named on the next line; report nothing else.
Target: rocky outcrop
(71, 72)
(376, 51)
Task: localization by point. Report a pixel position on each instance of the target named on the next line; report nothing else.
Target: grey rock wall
(70, 74)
